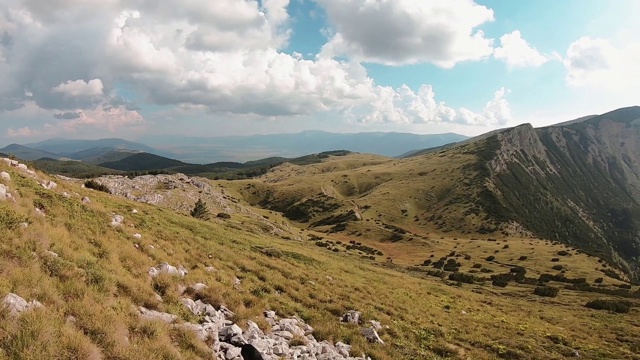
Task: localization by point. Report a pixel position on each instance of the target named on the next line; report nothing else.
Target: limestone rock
(48, 184)
(137, 236)
(168, 269)
(5, 176)
(156, 315)
(86, 200)
(352, 317)
(372, 335)
(116, 220)
(16, 304)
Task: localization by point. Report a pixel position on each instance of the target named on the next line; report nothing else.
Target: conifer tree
(200, 210)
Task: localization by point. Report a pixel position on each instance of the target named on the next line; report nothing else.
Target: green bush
(92, 184)
(546, 291)
(610, 305)
(462, 277)
(500, 282)
(223, 216)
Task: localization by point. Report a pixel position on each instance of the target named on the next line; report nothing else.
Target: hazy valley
(520, 244)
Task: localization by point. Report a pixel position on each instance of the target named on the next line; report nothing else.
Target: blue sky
(89, 68)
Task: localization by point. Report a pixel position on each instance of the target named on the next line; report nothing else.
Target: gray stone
(372, 335)
(156, 315)
(116, 220)
(137, 236)
(16, 304)
(5, 176)
(199, 287)
(233, 354)
(352, 317)
(48, 184)
(228, 332)
(375, 324)
(86, 200)
(167, 269)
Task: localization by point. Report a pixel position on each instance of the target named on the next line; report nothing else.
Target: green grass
(100, 274)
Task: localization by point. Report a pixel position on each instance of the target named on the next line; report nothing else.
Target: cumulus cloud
(398, 32)
(516, 52)
(598, 63)
(68, 58)
(80, 88)
(405, 106)
(21, 132)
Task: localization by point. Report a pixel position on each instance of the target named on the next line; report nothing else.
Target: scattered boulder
(16, 304)
(40, 212)
(51, 253)
(210, 269)
(352, 317)
(156, 315)
(5, 176)
(4, 192)
(66, 195)
(49, 185)
(168, 269)
(134, 211)
(137, 236)
(372, 335)
(376, 324)
(116, 220)
(86, 200)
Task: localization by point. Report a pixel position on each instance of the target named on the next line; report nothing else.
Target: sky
(136, 68)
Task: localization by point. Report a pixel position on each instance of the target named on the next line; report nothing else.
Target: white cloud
(516, 52)
(80, 88)
(21, 132)
(405, 106)
(598, 63)
(397, 32)
(220, 57)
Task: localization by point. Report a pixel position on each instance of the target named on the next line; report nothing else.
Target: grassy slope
(100, 274)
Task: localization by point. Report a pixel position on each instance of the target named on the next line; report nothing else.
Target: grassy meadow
(89, 289)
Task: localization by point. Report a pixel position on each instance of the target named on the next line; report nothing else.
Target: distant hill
(143, 162)
(102, 155)
(28, 153)
(244, 148)
(76, 169)
(69, 147)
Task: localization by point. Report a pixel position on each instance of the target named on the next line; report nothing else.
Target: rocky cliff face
(577, 183)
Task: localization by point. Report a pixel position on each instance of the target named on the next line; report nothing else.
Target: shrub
(500, 282)
(563, 253)
(598, 280)
(223, 215)
(557, 267)
(555, 260)
(522, 258)
(467, 257)
(505, 247)
(200, 210)
(462, 277)
(546, 291)
(490, 258)
(92, 184)
(610, 305)
(477, 266)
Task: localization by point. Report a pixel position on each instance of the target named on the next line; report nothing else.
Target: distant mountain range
(201, 150)
(245, 148)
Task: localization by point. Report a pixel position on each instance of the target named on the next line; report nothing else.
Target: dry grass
(88, 291)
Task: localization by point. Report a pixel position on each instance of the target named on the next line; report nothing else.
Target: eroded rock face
(16, 304)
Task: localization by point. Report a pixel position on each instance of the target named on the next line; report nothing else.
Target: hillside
(577, 184)
(88, 264)
(28, 153)
(68, 147)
